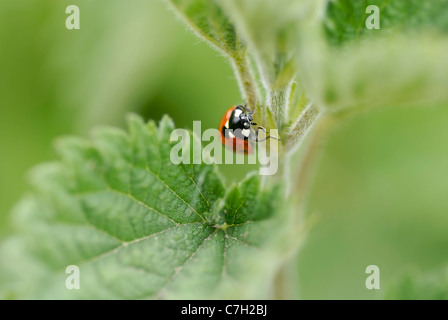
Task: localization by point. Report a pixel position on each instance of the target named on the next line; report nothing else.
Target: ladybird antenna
(249, 111)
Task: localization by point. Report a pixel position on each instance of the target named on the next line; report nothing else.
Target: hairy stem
(302, 126)
(245, 80)
(278, 101)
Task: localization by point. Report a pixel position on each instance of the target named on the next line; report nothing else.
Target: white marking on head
(238, 112)
(227, 124)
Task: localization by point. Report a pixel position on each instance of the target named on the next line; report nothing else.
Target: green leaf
(345, 19)
(400, 63)
(206, 18)
(138, 226)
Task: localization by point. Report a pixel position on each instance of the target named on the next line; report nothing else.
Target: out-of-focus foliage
(432, 285)
(345, 19)
(401, 63)
(395, 70)
(379, 198)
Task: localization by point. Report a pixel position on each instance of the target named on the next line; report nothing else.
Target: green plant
(140, 227)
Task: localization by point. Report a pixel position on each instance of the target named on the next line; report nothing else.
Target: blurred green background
(380, 193)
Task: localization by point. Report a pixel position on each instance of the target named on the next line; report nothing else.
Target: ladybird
(239, 120)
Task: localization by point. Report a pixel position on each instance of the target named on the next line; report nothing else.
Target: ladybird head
(245, 117)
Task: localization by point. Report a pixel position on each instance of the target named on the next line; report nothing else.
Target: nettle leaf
(136, 225)
(345, 19)
(399, 64)
(207, 19)
(394, 70)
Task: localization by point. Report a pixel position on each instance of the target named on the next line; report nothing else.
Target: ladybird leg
(264, 139)
(268, 137)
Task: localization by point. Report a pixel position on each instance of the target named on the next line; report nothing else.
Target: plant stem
(278, 101)
(245, 80)
(302, 126)
(301, 187)
(312, 152)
